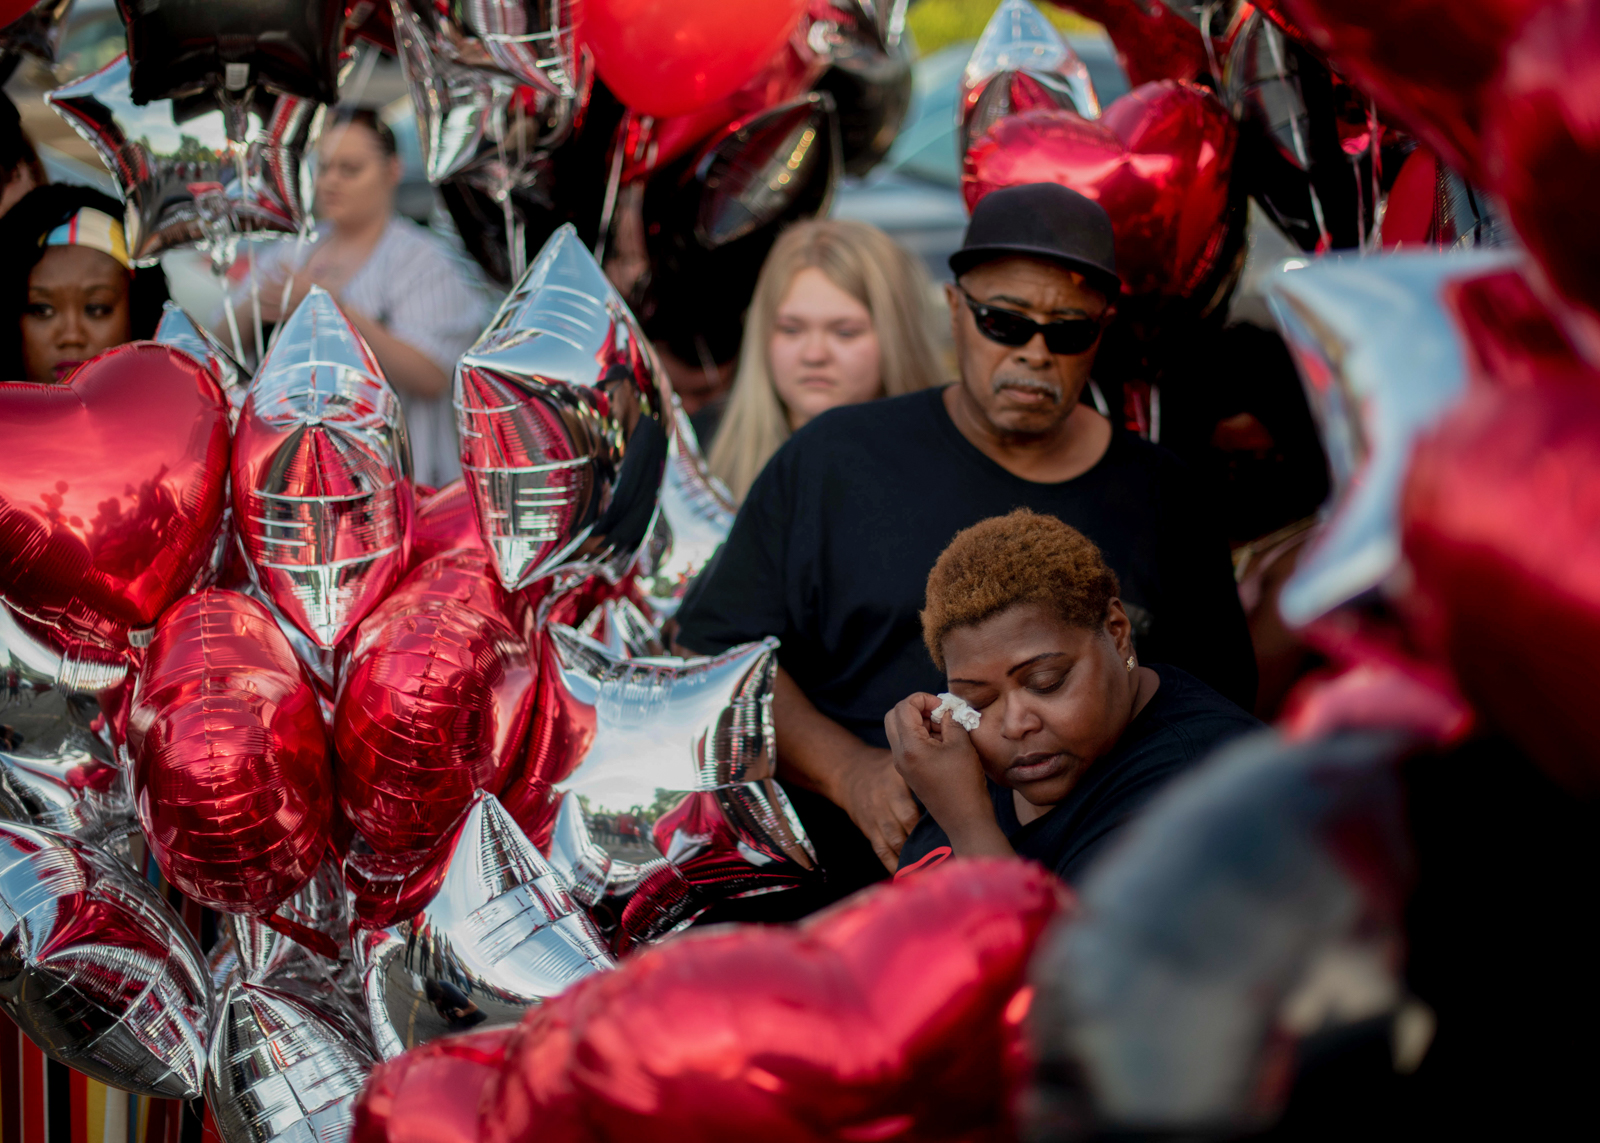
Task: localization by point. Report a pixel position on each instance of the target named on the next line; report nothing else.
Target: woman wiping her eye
(1074, 734)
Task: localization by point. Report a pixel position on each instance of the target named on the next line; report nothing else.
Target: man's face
(1023, 390)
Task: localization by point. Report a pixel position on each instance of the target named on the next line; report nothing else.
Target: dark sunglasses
(1067, 338)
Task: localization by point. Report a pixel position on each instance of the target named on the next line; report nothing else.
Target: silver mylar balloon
(189, 171)
(26, 654)
(322, 475)
(55, 771)
(560, 407)
(1381, 361)
(1262, 87)
(97, 968)
(280, 1071)
(181, 331)
(498, 934)
(528, 40)
(621, 628)
(37, 31)
(696, 513)
(1020, 63)
(318, 912)
(1237, 919)
(674, 793)
(473, 117)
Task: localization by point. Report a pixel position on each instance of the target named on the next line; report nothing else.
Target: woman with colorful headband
(67, 289)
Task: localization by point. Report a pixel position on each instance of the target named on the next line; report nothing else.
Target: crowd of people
(903, 533)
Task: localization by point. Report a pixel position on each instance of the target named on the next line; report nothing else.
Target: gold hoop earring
(1131, 664)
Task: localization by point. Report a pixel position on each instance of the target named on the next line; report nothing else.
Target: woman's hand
(942, 767)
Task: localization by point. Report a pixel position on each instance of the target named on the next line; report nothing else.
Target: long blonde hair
(868, 265)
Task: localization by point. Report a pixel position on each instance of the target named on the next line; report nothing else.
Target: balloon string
(288, 281)
(613, 182)
(233, 321)
(255, 302)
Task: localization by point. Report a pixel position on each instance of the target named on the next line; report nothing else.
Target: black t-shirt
(1183, 722)
(832, 549)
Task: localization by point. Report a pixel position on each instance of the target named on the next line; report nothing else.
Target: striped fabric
(42, 1101)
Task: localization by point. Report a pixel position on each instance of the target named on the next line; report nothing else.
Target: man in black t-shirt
(835, 540)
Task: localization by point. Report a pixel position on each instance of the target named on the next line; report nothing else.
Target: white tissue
(965, 716)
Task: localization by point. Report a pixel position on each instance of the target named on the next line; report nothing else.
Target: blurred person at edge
(20, 169)
(399, 284)
(1074, 734)
(832, 547)
(838, 317)
(69, 290)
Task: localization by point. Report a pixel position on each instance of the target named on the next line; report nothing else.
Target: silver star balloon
(322, 475)
(526, 40)
(561, 407)
(497, 933)
(99, 971)
(26, 653)
(1381, 360)
(55, 771)
(621, 628)
(181, 331)
(673, 792)
(280, 1070)
(474, 117)
(1020, 63)
(696, 513)
(192, 172)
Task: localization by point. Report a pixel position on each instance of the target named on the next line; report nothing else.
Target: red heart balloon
(1159, 161)
(435, 703)
(430, 1094)
(894, 1016)
(111, 491)
(1430, 63)
(669, 59)
(1542, 145)
(1501, 529)
(230, 773)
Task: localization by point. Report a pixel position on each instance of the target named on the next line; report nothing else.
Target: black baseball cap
(1046, 221)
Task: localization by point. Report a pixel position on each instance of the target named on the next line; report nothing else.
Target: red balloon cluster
(897, 1015)
(230, 759)
(1159, 161)
(444, 522)
(434, 704)
(111, 492)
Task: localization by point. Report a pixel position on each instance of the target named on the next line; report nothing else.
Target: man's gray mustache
(1028, 385)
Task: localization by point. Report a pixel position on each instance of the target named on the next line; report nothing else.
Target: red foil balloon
(1159, 161)
(1430, 63)
(669, 59)
(1152, 41)
(435, 703)
(444, 522)
(111, 491)
(230, 773)
(1501, 526)
(894, 1016)
(431, 1094)
(1542, 145)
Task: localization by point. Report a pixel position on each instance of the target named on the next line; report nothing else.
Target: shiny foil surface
(444, 522)
(496, 933)
(431, 1093)
(177, 329)
(279, 1071)
(695, 515)
(435, 703)
(895, 1015)
(99, 971)
(230, 774)
(1160, 160)
(322, 475)
(560, 408)
(187, 175)
(55, 772)
(1020, 63)
(94, 551)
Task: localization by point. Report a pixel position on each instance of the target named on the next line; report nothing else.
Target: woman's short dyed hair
(1020, 558)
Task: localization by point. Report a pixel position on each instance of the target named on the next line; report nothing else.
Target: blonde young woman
(839, 316)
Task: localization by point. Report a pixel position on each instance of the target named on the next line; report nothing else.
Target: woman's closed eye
(1045, 682)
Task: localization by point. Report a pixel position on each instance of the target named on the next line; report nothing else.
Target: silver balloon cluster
(200, 170)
